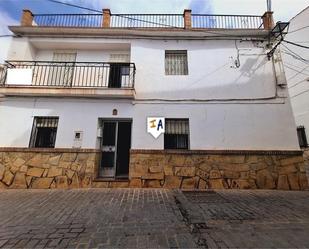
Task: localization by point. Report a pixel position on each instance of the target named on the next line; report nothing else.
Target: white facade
(228, 107)
(296, 61)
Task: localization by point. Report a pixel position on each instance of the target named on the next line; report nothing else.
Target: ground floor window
(44, 132)
(302, 138)
(176, 134)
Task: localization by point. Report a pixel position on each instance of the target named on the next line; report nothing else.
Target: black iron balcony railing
(68, 20)
(149, 21)
(227, 21)
(73, 74)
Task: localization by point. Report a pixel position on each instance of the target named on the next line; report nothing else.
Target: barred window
(302, 138)
(44, 131)
(176, 62)
(176, 134)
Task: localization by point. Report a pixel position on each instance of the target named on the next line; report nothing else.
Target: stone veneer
(77, 168)
(47, 168)
(218, 169)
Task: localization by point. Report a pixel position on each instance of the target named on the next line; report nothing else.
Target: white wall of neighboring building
(227, 107)
(297, 70)
(4, 45)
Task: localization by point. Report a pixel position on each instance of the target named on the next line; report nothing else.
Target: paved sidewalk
(153, 218)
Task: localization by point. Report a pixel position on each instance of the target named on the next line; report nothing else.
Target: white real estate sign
(19, 76)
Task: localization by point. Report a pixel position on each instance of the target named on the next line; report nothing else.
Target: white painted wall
(212, 126)
(74, 115)
(297, 71)
(245, 115)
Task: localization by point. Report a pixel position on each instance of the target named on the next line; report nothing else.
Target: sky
(284, 10)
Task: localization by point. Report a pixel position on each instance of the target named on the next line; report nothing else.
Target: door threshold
(110, 179)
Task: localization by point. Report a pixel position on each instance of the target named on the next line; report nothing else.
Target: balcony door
(115, 148)
(62, 69)
(119, 72)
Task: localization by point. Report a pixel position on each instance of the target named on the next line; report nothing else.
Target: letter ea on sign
(155, 126)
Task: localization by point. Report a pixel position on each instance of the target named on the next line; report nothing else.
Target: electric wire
(296, 44)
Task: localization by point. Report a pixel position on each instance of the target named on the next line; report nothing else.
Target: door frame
(100, 123)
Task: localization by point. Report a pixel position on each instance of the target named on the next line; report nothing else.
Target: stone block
(45, 173)
(37, 172)
(2, 170)
(86, 181)
(287, 169)
(135, 183)
(176, 160)
(69, 173)
(23, 169)
(205, 167)
(61, 182)
(215, 174)
(8, 177)
(155, 169)
(264, 179)
(234, 167)
(82, 157)
(38, 160)
(65, 165)
(241, 184)
(291, 160)
(153, 176)
(119, 184)
(54, 160)
(231, 174)
(172, 182)
(43, 182)
(3, 186)
(168, 170)
(152, 183)
(258, 166)
(202, 184)
(303, 181)
(75, 183)
(98, 185)
(185, 171)
(28, 181)
(18, 162)
(202, 174)
(283, 183)
(216, 184)
(189, 183)
(68, 157)
(293, 181)
(19, 181)
(54, 171)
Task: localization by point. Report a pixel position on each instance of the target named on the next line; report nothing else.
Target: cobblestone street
(153, 218)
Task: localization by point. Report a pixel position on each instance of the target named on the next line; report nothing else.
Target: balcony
(143, 24)
(81, 79)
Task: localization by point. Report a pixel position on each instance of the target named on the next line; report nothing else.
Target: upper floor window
(302, 137)
(176, 62)
(44, 132)
(176, 134)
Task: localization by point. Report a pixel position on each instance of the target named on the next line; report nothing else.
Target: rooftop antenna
(268, 5)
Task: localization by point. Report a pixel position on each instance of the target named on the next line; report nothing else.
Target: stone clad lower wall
(47, 168)
(218, 169)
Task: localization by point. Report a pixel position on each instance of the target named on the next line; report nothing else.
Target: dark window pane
(44, 132)
(302, 138)
(109, 133)
(176, 134)
(108, 159)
